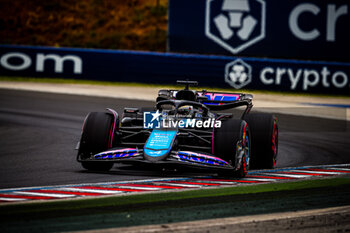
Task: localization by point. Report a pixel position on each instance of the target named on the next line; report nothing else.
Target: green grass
(133, 84)
(161, 208)
(151, 199)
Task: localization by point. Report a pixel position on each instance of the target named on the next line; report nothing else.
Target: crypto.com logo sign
(235, 24)
(281, 75)
(17, 61)
(238, 74)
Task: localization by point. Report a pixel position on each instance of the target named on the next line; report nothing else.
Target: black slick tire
(96, 138)
(264, 139)
(225, 146)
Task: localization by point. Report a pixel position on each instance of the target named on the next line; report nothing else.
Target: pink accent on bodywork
(245, 127)
(110, 144)
(213, 95)
(274, 146)
(119, 150)
(203, 155)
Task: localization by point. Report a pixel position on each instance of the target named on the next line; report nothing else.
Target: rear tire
(264, 139)
(226, 138)
(96, 137)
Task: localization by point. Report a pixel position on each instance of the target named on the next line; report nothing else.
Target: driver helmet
(186, 110)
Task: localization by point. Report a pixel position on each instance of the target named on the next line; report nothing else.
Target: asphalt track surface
(39, 131)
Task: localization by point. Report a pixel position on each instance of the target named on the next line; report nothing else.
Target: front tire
(96, 137)
(232, 134)
(264, 131)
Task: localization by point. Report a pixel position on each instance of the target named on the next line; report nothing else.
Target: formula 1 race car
(185, 128)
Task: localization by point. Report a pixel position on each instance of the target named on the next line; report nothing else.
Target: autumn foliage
(110, 24)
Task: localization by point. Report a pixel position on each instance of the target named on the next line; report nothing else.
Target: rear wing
(222, 101)
(213, 100)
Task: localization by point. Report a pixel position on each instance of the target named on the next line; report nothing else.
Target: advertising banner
(295, 29)
(166, 68)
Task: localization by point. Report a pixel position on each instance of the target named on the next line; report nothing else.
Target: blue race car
(184, 128)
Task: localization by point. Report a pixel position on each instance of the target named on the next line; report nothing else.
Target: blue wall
(296, 29)
(166, 68)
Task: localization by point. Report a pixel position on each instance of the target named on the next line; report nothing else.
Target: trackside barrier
(166, 68)
(297, 29)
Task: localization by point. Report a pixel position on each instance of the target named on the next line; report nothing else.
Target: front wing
(187, 158)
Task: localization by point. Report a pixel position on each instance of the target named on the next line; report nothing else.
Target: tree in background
(117, 24)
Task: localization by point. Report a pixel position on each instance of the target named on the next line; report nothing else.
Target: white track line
(181, 185)
(91, 190)
(260, 179)
(12, 199)
(138, 188)
(45, 194)
(318, 172)
(286, 175)
(218, 182)
(341, 169)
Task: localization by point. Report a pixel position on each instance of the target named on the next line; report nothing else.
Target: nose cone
(159, 145)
